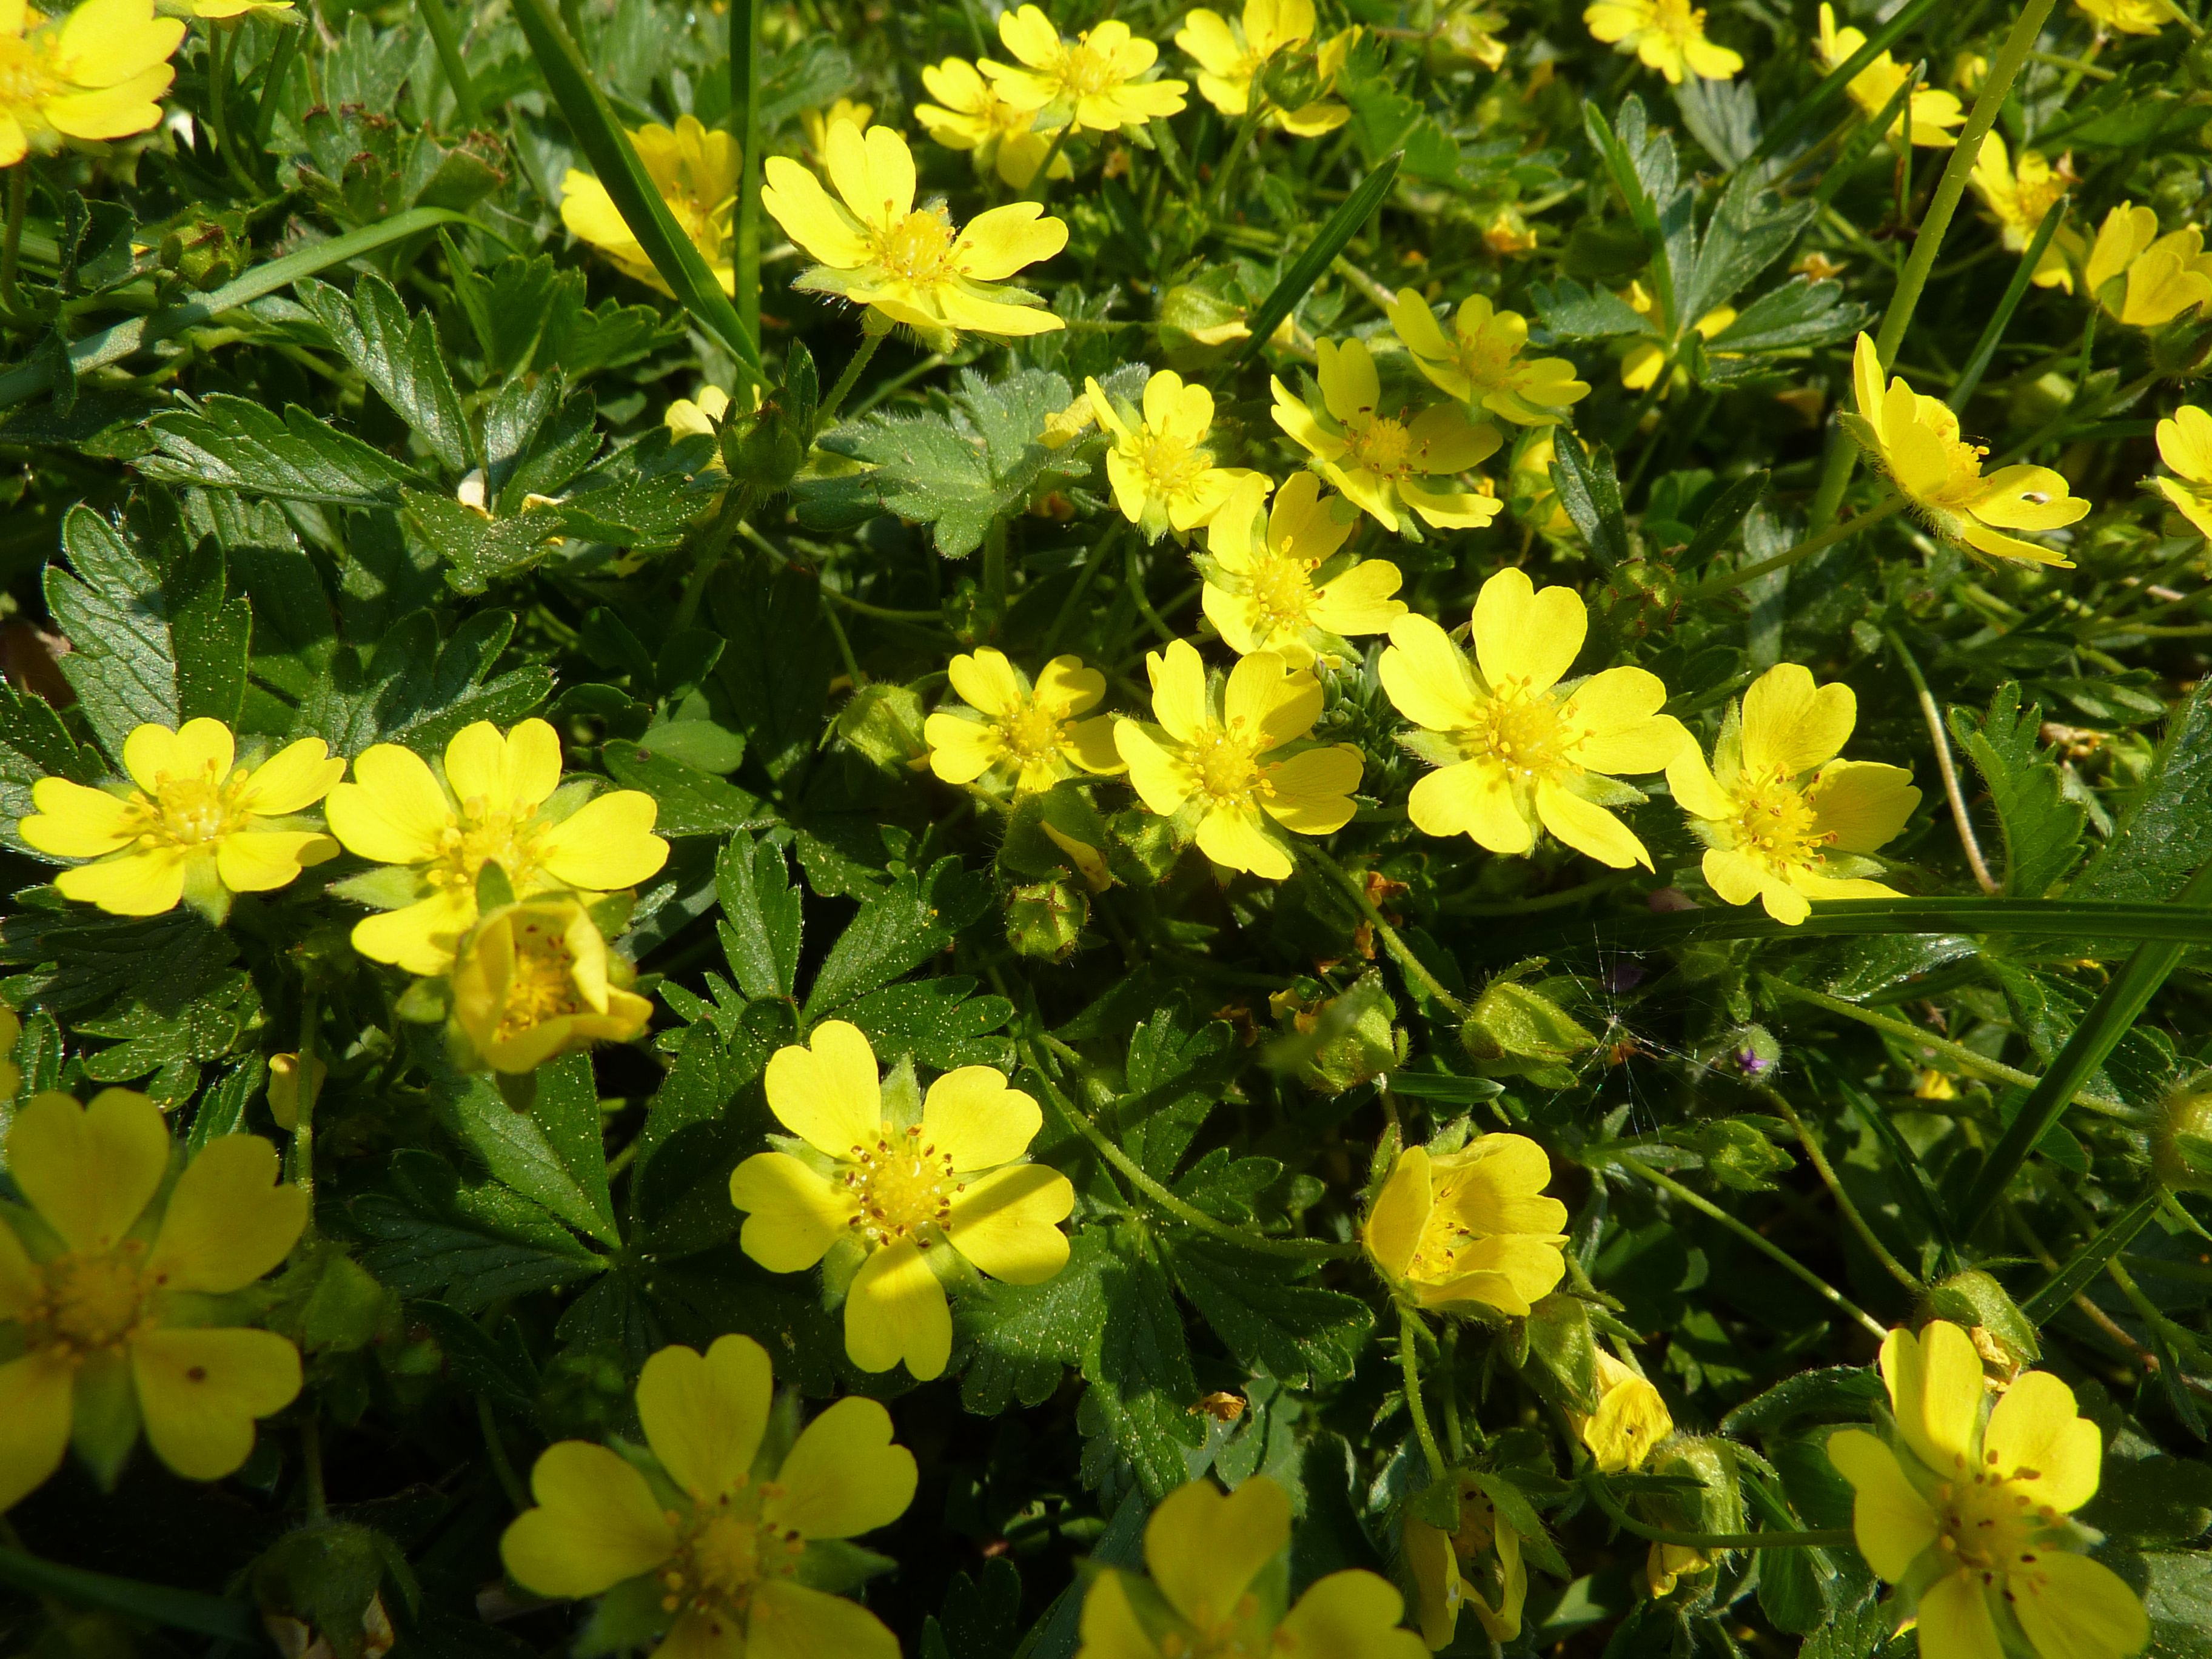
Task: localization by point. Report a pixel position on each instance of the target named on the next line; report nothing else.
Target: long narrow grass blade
(1838, 173)
(608, 149)
(1330, 240)
(1793, 119)
(157, 1604)
(447, 39)
(2089, 1260)
(745, 116)
(2015, 290)
(2054, 919)
(111, 345)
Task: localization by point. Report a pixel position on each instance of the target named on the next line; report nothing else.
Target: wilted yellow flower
(970, 115)
(695, 170)
(1508, 235)
(1375, 459)
(1935, 1086)
(2022, 198)
(106, 1301)
(1631, 1418)
(500, 801)
(2128, 16)
(1096, 83)
(94, 74)
(2165, 275)
(1210, 1591)
(2185, 444)
(907, 264)
(721, 1552)
(535, 980)
(816, 123)
(1209, 757)
(1916, 440)
(1665, 1565)
(196, 829)
(1231, 54)
(1666, 35)
(1028, 735)
(1164, 476)
(1963, 1504)
(1515, 754)
(1481, 362)
(1479, 1566)
(1261, 591)
(1471, 1227)
(1932, 112)
(1783, 821)
(866, 1179)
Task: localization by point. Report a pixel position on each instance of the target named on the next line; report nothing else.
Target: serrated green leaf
(569, 1178)
(692, 802)
(896, 932)
(228, 443)
(110, 603)
(762, 920)
(476, 548)
(1300, 1334)
(431, 1234)
(398, 355)
(2042, 826)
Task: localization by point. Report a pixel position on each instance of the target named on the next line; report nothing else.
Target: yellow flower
(2128, 16)
(719, 1542)
(1534, 497)
(2165, 275)
(816, 123)
(11, 1033)
(1093, 83)
(1374, 458)
(696, 171)
(107, 1294)
(1163, 474)
(500, 801)
(197, 827)
(906, 264)
(95, 74)
(1479, 1566)
(2021, 199)
(1210, 757)
(970, 115)
(1261, 591)
(1471, 1227)
(1472, 33)
(1665, 1564)
(1481, 364)
(2185, 444)
(217, 11)
(1210, 1590)
(1964, 1504)
(1509, 235)
(1666, 35)
(1783, 820)
(1027, 734)
(1231, 56)
(864, 1178)
(1631, 1418)
(534, 980)
(698, 418)
(1933, 112)
(1639, 369)
(1516, 753)
(1916, 440)
(1935, 1086)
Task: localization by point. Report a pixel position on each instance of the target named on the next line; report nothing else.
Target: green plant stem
(1304, 1250)
(2108, 1020)
(1410, 1369)
(745, 110)
(1751, 1237)
(155, 1604)
(1927, 240)
(1245, 129)
(11, 249)
(1826, 536)
(1094, 561)
(518, 1495)
(1133, 573)
(1454, 1436)
(1881, 1252)
(1933, 717)
(1836, 1538)
(1040, 186)
(221, 54)
(2068, 1282)
(1986, 348)
(1414, 968)
(826, 411)
(447, 39)
(273, 76)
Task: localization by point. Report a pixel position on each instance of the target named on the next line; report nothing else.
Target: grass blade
(607, 147)
(745, 110)
(1336, 233)
(157, 1604)
(2089, 1260)
(2066, 919)
(447, 39)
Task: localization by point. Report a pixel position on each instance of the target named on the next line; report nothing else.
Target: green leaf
(1591, 495)
(1860, 1633)
(1718, 526)
(228, 443)
(418, 692)
(1797, 316)
(481, 1366)
(692, 802)
(1179, 1065)
(712, 1065)
(2042, 828)
(1299, 1334)
(476, 548)
(938, 1022)
(1572, 312)
(2176, 1586)
(399, 356)
(762, 922)
(568, 1178)
(1330, 240)
(228, 1621)
(776, 670)
(110, 603)
(1137, 1409)
(1026, 1336)
(211, 634)
(2166, 832)
(896, 932)
(430, 1235)
(683, 1199)
(1385, 122)
(1750, 229)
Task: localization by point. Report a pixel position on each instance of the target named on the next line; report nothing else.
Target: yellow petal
(1790, 725)
(1495, 1184)
(1438, 1591)
(961, 751)
(1473, 798)
(895, 1310)
(89, 1172)
(790, 1621)
(1354, 1612)
(2072, 1607)
(1445, 440)
(2184, 443)
(1426, 677)
(263, 861)
(1111, 1629)
(1312, 791)
(1349, 385)
(1935, 1382)
(74, 822)
(1360, 601)
(1237, 839)
(1205, 1548)
(1066, 687)
(1631, 1418)
(606, 844)
(987, 683)
(1527, 637)
(516, 772)
(704, 1414)
(292, 779)
(145, 884)
(1587, 827)
(1179, 692)
(229, 1221)
(394, 812)
(2036, 1443)
(844, 1477)
(792, 1213)
(1002, 241)
(829, 1093)
(200, 748)
(1161, 780)
(1393, 1229)
(2026, 498)
(1007, 1223)
(1955, 1622)
(420, 937)
(22, 1287)
(795, 200)
(1533, 1268)
(975, 1118)
(201, 1390)
(1862, 803)
(36, 1392)
(1264, 699)
(597, 1522)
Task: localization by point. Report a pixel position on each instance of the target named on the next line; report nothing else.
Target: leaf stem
(826, 411)
(501, 1465)
(1823, 539)
(447, 39)
(1944, 764)
(1410, 1368)
(1040, 186)
(1881, 1252)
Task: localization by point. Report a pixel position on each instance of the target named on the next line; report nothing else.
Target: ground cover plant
(1338, 831)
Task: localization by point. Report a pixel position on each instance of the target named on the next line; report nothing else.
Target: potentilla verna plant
(1316, 829)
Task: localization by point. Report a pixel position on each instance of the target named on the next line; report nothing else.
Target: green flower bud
(1045, 919)
(2183, 1147)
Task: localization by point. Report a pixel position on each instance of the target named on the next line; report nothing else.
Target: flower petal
(1361, 600)
(199, 748)
(518, 771)
(228, 1220)
(795, 200)
(1066, 687)
(895, 1310)
(36, 1396)
(704, 1414)
(975, 1118)
(1162, 780)
(1892, 1522)
(606, 844)
(1473, 798)
(1264, 698)
(1349, 385)
(1427, 678)
(2037, 1444)
(145, 884)
(1790, 725)
(790, 1621)
(394, 812)
(201, 1390)
(1178, 676)
(1392, 1231)
(1205, 1548)
(1862, 804)
(844, 1477)
(1111, 1629)
(263, 861)
(794, 1214)
(1935, 1382)
(1237, 839)
(961, 751)
(420, 937)
(1312, 790)
(76, 822)
(597, 1522)
(1351, 1612)
(292, 779)
(2072, 1607)
(90, 1171)
(830, 1093)
(1525, 635)
(1002, 241)
(1587, 827)
(1955, 1621)
(987, 683)
(1007, 1223)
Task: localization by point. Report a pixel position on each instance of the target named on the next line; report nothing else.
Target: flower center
(1988, 1525)
(191, 809)
(1678, 20)
(1282, 591)
(1381, 445)
(915, 248)
(1086, 71)
(484, 834)
(1521, 733)
(724, 1558)
(1170, 464)
(903, 1184)
(91, 1302)
(1774, 822)
(1031, 733)
(25, 78)
(1227, 766)
(1213, 1638)
(543, 986)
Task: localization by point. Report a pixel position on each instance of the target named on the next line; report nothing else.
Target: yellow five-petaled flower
(1231, 55)
(1516, 751)
(908, 264)
(713, 1533)
(1482, 363)
(1469, 1228)
(2144, 279)
(105, 1295)
(1212, 757)
(1096, 83)
(198, 826)
(1164, 476)
(1478, 1566)
(2185, 444)
(1783, 821)
(1931, 111)
(1964, 1504)
(534, 980)
(1666, 35)
(969, 114)
(93, 75)
(1028, 735)
(869, 1178)
(1262, 586)
(695, 170)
